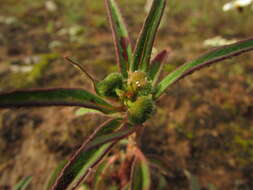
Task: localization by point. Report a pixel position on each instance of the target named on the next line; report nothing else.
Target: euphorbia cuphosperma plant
(128, 97)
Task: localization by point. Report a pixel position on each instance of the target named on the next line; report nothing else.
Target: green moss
(22, 80)
(39, 69)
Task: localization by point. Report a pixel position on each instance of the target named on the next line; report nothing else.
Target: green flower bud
(140, 110)
(145, 90)
(139, 83)
(108, 86)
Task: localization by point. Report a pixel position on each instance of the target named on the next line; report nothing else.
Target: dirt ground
(203, 125)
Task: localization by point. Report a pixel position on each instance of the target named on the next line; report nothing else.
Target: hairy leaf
(214, 56)
(156, 65)
(89, 154)
(23, 184)
(54, 97)
(83, 161)
(140, 177)
(120, 36)
(98, 177)
(52, 178)
(101, 172)
(146, 39)
(123, 132)
(84, 111)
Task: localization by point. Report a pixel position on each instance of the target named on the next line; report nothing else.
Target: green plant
(127, 97)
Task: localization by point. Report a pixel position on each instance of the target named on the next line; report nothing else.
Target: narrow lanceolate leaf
(146, 39)
(23, 184)
(54, 97)
(89, 154)
(84, 111)
(101, 172)
(123, 132)
(83, 161)
(120, 36)
(140, 176)
(156, 65)
(52, 178)
(214, 56)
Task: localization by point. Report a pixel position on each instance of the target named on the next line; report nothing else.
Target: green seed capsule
(108, 86)
(140, 110)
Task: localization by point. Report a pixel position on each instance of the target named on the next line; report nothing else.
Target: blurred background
(204, 123)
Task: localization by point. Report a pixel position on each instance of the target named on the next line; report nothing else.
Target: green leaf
(146, 39)
(98, 177)
(97, 182)
(141, 177)
(214, 56)
(156, 65)
(120, 37)
(83, 161)
(23, 184)
(52, 178)
(123, 132)
(89, 154)
(84, 111)
(54, 97)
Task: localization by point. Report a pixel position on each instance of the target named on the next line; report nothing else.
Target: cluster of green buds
(134, 86)
(138, 97)
(129, 96)
(134, 93)
(134, 89)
